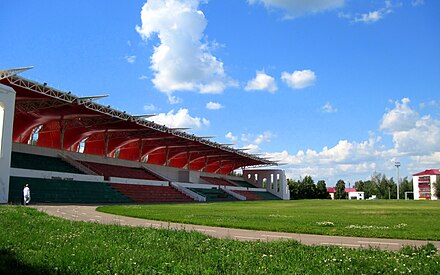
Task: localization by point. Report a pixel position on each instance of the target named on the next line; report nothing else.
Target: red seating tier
(151, 194)
(108, 170)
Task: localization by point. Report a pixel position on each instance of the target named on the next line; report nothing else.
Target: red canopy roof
(428, 172)
(333, 190)
(65, 121)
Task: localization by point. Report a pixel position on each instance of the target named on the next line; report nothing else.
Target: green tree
(307, 188)
(294, 189)
(340, 190)
(405, 186)
(321, 190)
(437, 188)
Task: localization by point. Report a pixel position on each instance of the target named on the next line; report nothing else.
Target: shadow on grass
(9, 264)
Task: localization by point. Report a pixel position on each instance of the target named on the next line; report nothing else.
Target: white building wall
(416, 187)
(356, 195)
(432, 179)
(7, 108)
(273, 180)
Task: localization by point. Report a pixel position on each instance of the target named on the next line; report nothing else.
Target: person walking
(26, 194)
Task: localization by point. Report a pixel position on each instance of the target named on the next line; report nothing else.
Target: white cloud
(264, 137)
(181, 61)
(401, 118)
(328, 108)
(172, 99)
(415, 142)
(130, 59)
(262, 82)
(179, 119)
(296, 8)
(150, 108)
(347, 160)
(213, 106)
(299, 79)
(426, 161)
(344, 152)
(231, 137)
(371, 16)
(422, 138)
(251, 142)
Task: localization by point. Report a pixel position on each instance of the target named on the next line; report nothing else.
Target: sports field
(380, 218)
(32, 242)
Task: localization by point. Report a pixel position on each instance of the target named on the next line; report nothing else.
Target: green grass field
(32, 242)
(379, 218)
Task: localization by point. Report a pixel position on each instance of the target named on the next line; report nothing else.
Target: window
(2, 119)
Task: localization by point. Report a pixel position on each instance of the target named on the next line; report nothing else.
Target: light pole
(397, 164)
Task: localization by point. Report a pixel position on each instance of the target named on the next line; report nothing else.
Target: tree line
(378, 185)
(383, 187)
(307, 189)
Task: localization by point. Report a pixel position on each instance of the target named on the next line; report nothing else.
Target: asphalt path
(88, 213)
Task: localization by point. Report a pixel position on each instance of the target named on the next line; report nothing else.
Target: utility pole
(397, 164)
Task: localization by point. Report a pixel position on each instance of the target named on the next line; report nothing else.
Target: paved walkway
(89, 213)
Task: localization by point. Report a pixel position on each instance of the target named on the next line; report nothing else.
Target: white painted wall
(7, 108)
(416, 187)
(356, 195)
(273, 180)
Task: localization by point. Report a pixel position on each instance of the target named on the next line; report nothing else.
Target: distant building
(353, 194)
(423, 184)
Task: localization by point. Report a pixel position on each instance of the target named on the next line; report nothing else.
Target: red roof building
(428, 172)
(423, 184)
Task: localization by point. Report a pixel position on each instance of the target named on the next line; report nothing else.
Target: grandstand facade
(71, 149)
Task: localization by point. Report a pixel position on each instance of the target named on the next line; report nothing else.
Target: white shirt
(26, 192)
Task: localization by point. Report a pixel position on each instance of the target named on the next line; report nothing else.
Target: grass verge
(380, 218)
(32, 242)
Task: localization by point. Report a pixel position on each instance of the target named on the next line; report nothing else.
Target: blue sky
(332, 88)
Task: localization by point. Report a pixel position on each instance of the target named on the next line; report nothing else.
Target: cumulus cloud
(426, 161)
(182, 61)
(344, 152)
(415, 141)
(213, 106)
(400, 118)
(299, 79)
(296, 8)
(345, 160)
(262, 82)
(179, 119)
(329, 108)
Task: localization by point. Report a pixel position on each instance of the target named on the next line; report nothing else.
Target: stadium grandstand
(70, 149)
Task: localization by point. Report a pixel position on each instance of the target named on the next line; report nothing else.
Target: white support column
(270, 176)
(7, 108)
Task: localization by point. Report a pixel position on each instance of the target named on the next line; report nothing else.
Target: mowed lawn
(32, 242)
(379, 218)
